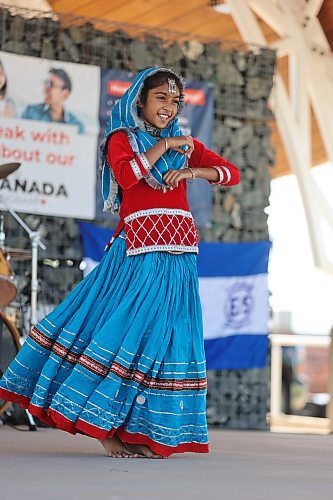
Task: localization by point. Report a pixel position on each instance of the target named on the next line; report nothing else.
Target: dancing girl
(122, 359)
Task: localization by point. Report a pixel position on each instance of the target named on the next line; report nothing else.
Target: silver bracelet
(192, 172)
(166, 144)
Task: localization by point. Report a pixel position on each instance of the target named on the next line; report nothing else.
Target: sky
(297, 287)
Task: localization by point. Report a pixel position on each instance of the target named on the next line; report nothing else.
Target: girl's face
(161, 106)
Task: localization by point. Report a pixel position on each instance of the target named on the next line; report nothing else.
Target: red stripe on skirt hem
(15, 398)
(158, 448)
(55, 419)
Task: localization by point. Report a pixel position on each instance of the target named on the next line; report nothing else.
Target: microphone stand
(35, 243)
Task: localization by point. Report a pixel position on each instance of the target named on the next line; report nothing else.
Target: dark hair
(156, 80)
(3, 89)
(61, 73)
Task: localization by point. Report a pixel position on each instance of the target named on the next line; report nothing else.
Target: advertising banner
(49, 123)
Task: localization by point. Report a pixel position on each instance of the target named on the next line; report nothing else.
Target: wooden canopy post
(304, 40)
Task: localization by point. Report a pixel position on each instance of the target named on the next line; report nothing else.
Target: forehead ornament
(172, 86)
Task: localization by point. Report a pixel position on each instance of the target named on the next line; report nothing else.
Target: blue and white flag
(234, 297)
(94, 240)
(233, 292)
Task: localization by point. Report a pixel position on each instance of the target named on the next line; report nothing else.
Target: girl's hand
(172, 177)
(176, 144)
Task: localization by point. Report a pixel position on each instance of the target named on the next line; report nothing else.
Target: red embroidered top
(154, 219)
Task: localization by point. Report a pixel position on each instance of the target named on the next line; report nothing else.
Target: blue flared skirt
(123, 353)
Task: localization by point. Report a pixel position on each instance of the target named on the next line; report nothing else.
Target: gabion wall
(242, 81)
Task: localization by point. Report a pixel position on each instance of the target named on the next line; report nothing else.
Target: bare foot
(116, 449)
(142, 450)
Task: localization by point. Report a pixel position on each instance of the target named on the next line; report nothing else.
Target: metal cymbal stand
(35, 243)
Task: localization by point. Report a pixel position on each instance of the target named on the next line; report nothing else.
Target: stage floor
(250, 465)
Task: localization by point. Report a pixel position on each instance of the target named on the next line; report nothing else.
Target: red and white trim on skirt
(102, 370)
(57, 420)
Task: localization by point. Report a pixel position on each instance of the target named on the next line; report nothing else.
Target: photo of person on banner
(55, 126)
(7, 107)
(57, 88)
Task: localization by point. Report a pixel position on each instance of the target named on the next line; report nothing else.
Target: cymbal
(16, 253)
(8, 168)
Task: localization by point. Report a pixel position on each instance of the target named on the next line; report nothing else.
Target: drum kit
(9, 335)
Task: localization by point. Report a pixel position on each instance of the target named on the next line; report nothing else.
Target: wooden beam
(317, 38)
(296, 139)
(300, 162)
(40, 5)
(284, 46)
(313, 7)
(245, 21)
(299, 100)
(271, 15)
(319, 88)
(321, 96)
